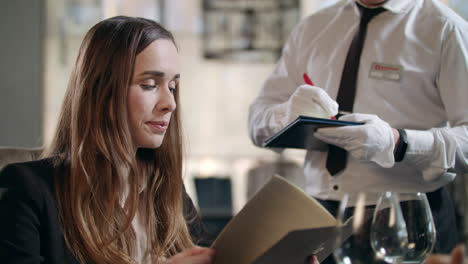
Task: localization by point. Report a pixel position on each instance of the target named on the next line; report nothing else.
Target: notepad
(280, 224)
(300, 133)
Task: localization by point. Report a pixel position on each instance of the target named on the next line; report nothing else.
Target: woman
(109, 189)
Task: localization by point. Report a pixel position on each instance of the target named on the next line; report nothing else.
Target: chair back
(11, 155)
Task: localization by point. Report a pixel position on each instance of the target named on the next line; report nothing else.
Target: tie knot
(368, 13)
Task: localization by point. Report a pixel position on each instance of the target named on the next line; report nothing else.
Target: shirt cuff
(420, 153)
(420, 143)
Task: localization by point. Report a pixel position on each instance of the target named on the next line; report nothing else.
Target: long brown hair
(93, 145)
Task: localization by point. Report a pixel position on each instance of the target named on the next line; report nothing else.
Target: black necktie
(336, 160)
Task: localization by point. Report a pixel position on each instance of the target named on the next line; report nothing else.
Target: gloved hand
(373, 141)
(310, 101)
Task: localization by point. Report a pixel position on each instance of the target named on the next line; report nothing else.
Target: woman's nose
(167, 101)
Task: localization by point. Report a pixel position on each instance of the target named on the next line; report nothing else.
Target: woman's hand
(195, 255)
(455, 258)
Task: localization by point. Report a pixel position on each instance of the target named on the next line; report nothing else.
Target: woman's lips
(157, 126)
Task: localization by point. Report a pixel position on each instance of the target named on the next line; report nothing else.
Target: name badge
(385, 71)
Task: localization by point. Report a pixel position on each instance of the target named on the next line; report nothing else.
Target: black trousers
(443, 212)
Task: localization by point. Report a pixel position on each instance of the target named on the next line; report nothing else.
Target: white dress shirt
(141, 240)
(142, 255)
(413, 74)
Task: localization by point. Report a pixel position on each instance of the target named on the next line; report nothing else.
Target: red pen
(308, 81)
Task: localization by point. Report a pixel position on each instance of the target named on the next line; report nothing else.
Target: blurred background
(228, 48)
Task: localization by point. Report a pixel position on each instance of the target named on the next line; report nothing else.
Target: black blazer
(29, 224)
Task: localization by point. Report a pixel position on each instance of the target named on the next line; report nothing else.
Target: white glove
(312, 101)
(373, 141)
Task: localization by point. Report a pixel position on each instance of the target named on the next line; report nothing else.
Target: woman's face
(151, 95)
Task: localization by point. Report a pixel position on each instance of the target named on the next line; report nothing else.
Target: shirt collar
(396, 6)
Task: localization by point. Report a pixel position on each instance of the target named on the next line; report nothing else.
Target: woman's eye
(172, 86)
(147, 86)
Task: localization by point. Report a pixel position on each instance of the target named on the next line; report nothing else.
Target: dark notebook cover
(297, 246)
(299, 133)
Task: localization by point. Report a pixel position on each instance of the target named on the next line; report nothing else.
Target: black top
(29, 223)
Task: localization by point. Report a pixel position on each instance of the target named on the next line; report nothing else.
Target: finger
(199, 250)
(438, 259)
(313, 260)
(193, 251)
(310, 107)
(358, 117)
(319, 97)
(200, 259)
(458, 255)
(326, 103)
(195, 255)
(335, 133)
(329, 107)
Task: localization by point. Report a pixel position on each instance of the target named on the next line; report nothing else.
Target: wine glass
(389, 236)
(355, 215)
(420, 227)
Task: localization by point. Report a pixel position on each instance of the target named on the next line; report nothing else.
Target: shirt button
(335, 187)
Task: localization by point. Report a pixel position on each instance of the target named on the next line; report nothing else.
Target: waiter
(400, 67)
